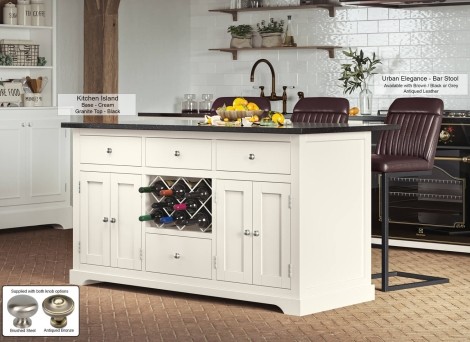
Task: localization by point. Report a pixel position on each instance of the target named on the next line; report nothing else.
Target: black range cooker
(433, 211)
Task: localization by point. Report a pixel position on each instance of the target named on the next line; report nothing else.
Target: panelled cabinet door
(94, 218)
(126, 236)
(234, 229)
(12, 163)
(271, 234)
(46, 176)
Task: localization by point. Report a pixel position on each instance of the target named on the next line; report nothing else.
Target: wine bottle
(202, 192)
(166, 219)
(155, 215)
(202, 220)
(168, 202)
(155, 188)
(179, 190)
(189, 205)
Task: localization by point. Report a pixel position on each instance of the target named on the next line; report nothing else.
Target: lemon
(353, 111)
(239, 107)
(255, 118)
(240, 101)
(230, 108)
(278, 118)
(252, 106)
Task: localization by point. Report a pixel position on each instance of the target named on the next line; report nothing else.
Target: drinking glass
(206, 104)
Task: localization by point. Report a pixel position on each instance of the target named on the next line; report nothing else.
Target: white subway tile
(421, 65)
(410, 51)
(357, 39)
(355, 14)
(389, 52)
(399, 38)
(389, 26)
(377, 39)
(410, 25)
(421, 38)
(398, 13)
(368, 26)
(377, 13)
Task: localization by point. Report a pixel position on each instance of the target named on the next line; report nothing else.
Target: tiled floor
(111, 312)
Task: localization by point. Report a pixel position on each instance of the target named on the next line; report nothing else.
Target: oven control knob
(444, 136)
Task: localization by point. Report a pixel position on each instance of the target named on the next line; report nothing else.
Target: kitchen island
(286, 210)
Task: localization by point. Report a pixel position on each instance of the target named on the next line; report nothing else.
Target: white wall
(425, 40)
(154, 53)
(69, 46)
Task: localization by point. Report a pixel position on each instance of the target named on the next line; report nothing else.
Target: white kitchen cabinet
(34, 187)
(253, 233)
(110, 232)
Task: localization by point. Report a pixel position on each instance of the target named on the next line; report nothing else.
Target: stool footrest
(426, 280)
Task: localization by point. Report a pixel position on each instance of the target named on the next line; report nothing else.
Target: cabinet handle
(109, 150)
(30, 124)
(177, 256)
(247, 232)
(177, 153)
(256, 233)
(23, 124)
(105, 219)
(251, 156)
(113, 220)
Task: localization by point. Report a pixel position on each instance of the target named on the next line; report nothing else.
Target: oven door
(430, 207)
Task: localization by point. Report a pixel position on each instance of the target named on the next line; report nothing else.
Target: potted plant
(241, 36)
(271, 32)
(355, 75)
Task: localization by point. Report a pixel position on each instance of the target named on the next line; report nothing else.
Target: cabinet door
(12, 163)
(234, 229)
(46, 166)
(94, 218)
(126, 235)
(271, 234)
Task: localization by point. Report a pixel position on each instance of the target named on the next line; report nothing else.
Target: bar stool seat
(407, 152)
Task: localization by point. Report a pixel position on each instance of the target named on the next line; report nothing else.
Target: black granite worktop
(192, 125)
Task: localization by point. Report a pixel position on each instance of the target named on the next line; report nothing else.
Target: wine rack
(175, 218)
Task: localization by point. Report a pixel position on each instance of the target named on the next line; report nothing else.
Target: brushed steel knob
(251, 156)
(247, 232)
(105, 219)
(177, 256)
(113, 220)
(22, 307)
(109, 150)
(256, 233)
(58, 307)
(177, 153)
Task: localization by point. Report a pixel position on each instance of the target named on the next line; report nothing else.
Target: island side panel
(334, 220)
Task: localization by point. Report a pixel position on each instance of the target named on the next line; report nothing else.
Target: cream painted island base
(290, 213)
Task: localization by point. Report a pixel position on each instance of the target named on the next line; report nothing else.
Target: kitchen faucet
(273, 96)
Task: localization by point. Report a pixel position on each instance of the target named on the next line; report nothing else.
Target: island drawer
(179, 255)
(254, 156)
(179, 153)
(107, 150)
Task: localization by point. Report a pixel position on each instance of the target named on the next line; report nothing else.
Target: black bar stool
(406, 152)
(321, 110)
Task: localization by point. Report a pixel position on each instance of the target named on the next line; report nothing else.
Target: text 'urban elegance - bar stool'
(406, 152)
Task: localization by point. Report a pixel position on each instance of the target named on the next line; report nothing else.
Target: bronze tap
(273, 96)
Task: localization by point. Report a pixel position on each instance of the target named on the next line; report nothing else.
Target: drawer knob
(22, 307)
(58, 307)
(256, 233)
(113, 220)
(177, 256)
(177, 153)
(247, 232)
(251, 156)
(105, 219)
(109, 150)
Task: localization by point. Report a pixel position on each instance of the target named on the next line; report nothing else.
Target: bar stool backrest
(321, 110)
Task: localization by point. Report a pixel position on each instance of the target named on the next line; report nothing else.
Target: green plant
(240, 30)
(273, 26)
(5, 59)
(355, 74)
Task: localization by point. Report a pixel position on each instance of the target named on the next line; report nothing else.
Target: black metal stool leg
(385, 274)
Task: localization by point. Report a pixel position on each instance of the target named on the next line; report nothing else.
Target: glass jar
(189, 105)
(205, 105)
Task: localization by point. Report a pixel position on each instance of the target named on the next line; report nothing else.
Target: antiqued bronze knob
(58, 307)
(22, 307)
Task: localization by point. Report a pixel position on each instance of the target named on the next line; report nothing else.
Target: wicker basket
(22, 54)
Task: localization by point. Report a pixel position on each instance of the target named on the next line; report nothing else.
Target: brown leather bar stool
(406, 152)
(263, 103)
(321, 110)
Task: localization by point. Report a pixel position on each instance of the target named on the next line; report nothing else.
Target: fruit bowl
(233, 115)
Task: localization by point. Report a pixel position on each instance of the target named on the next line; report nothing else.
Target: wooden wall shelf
(234, 51)
(234, 12)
